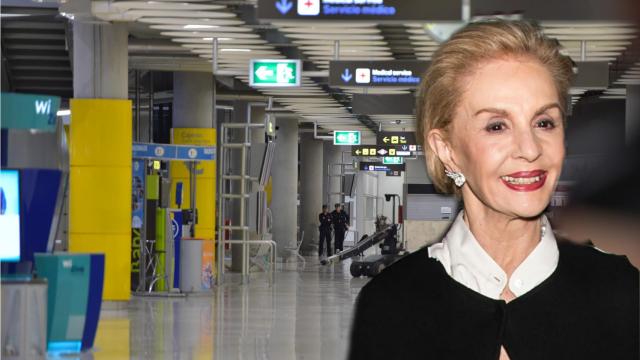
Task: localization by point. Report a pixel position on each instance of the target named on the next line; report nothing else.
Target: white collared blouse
(469, 264)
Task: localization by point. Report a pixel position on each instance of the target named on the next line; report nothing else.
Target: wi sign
(274, 73)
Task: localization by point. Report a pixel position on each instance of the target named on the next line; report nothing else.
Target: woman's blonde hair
(460, 56)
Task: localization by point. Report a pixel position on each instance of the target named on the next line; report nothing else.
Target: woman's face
(507, 137)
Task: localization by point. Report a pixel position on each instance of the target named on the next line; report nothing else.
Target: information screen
(9, 215)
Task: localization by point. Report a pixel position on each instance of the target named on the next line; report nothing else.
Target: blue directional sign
(173, 152)
(404, 73)
(346, 75)
(376, 166)
(283, 6)
(366, 10)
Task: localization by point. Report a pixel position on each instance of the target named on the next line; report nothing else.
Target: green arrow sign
(348, 137)
(274, 73)
(392, 160)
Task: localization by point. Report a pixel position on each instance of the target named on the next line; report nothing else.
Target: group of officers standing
(338, 220)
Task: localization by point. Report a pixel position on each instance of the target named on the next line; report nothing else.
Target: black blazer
(588, 308)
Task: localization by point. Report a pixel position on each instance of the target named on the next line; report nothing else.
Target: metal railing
(242, 196)
(246, 258)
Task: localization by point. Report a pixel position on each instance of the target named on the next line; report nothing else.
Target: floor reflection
(305, 314)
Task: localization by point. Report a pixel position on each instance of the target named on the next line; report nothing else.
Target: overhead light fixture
(219, 39)
(12, 15)
(236, 50)
(200, 26)
(68, 16)
(66, 112)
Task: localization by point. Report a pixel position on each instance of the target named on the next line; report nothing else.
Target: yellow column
(100, 188)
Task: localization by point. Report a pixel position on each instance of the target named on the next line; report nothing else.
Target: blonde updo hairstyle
(441, 88)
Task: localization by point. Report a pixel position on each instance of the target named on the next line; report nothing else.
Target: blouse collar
(468, 263)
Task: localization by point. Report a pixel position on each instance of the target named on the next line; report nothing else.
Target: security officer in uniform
(340, 221)
(325, 230)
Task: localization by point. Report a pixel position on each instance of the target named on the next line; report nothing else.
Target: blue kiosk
(30, 200)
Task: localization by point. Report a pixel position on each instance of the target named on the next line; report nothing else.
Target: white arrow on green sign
(346, 137)
(274, 73)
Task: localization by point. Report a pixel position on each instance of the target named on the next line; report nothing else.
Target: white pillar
(332, 183)
(193, 94)
(100, 61)
(284, 202)
(311, 154)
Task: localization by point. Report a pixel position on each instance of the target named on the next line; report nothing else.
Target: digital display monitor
(9, 215)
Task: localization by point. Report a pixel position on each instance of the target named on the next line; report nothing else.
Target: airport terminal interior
(165, 164)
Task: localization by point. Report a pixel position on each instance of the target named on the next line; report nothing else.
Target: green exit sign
(350, 137)
(389, 160)
(274, 73)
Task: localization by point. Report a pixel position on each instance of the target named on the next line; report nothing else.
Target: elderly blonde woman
(499, 285)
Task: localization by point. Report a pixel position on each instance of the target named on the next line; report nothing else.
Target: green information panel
(27, 112)
(349, 137)
(392, 160)
(274, 73)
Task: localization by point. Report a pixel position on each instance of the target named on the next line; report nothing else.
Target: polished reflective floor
(305, 314)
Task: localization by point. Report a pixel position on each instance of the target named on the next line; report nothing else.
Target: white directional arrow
(342, 138)
(263, 73)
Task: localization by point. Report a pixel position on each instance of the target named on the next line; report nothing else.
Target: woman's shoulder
(416, 272)
(588, 260)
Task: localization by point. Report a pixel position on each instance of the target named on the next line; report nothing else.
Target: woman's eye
(495, 127)
(546, 124)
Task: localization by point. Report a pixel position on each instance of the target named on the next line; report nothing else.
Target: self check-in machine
(157, 229)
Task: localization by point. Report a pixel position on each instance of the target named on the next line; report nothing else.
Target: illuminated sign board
(376, 166)
(378, 10)
(274, 73)
(392, 160)
(29, 112)
(403, 73)
(396, 138)
(387, 150)
(349, 137)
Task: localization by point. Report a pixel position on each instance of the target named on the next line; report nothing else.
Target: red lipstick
(525, 180)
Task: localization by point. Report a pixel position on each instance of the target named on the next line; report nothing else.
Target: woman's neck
(508, 240)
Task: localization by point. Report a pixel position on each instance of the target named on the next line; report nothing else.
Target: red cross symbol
(309, 3)
(363, 75)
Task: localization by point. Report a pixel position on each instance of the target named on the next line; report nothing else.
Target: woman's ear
(441, 147)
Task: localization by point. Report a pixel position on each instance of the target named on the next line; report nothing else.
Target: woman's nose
(527, 145)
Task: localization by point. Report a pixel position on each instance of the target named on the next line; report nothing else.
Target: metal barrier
(245, 255)
(241, 195)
